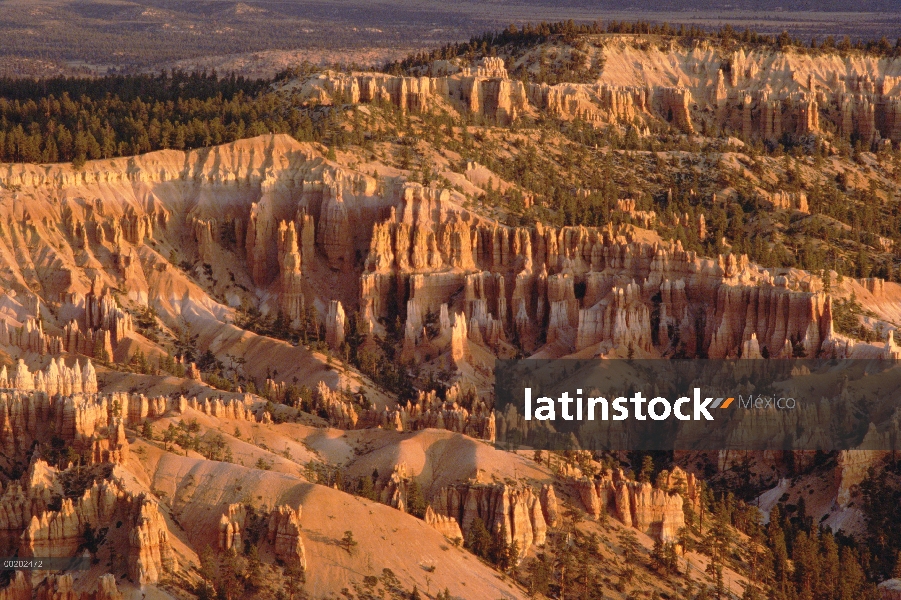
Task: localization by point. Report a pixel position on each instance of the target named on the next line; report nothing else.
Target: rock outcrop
(234, 408)
(284, 536)
(44, 532)
(513, 514)
(736, 92)
(429, 411)
(651, 510)
(150, 554)
(56, 379)
(519, 283)
(89, 423)
(483, 89)
(890, 589)
(852, 467)
(335, 323)
(59, 587)
(231, 527)
(290, 261)
(549, 505)
(447, 526)
(282, 532)
(30, 337)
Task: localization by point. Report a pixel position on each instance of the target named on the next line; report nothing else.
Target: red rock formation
(334, 233)
(234, 408)
(484, 89)
(730, 299)
(292, 296)
(193, 372)
(112, 449)
(60, 533)
(789, 200)
(150, 555)
(335, 323)
(101, 312)
(459, 339)
(751, 99)
(394, 492)
(549, 505)
(59, 587)
(30, 337)
(447, 526)
(851, 469)
(231, 526)
(674, 105)
(135, 408)
(513, 513)
(261, 228)
(342, 413)
(284, 536)
(651, 510)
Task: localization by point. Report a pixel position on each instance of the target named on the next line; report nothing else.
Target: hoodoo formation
(759, 93)
(263, 368)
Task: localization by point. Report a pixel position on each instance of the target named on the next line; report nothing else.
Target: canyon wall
(412, 251)
(477, 421)
(282, 529)
(576, 287)
(758, 94)
(43, 531)
(511, 513)
(654, 511)
(59, 587)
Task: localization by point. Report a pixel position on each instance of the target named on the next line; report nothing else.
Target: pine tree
(852, 581)
(829, 564)
(719, 536)
(540, 574)
(720, 589)
(416, 500)
(806, 564)
(657, 559)
(348, 541)
(479, 540)
(647, 468)
(366, 488)
(776, 543)
(100, 351)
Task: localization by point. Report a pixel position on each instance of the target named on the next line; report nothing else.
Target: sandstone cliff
(282, 533)
(448, 526)
(59, 587)
(744, 93)
(521, 282)
(429, 411)
(653, 511)
(284, 536)
(515, 515)
(46, 532)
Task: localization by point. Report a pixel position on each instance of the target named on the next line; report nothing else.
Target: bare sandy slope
(196, 492)
(438, 458)
(199, 491)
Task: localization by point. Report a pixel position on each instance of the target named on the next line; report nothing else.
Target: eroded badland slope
(264, 368)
